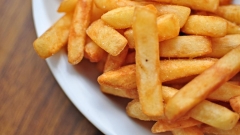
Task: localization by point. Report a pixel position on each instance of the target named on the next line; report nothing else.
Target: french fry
(224, 69)
(106, 37)
(126, 93)
(210, 5)
(169, 70)
(232, 28)
(147, 60)
(67, 6)
(93, 52)
(235, 103)
(181, 12)
(225, 92)
(214, 115)
(212, 26)
(106, 5)
(195, 130)
(119, 18)
(163, 126)
(212, 130)
(115, 62)
(222, 45)
(168, 26)
(77, 34)
(229, 12)
(129, 36)
(96, 13)
(186, 46)
(54, 39)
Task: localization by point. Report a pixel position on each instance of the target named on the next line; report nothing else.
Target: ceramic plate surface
(79, 83)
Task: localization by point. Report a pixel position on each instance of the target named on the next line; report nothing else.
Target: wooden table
(31, 101)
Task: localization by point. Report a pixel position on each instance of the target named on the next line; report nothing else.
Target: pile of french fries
(178, 60)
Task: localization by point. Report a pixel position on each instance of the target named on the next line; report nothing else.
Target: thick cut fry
(67, 6)
(96, 13)
(147, 60)
(77, 35)
(168, 26)
(119, 18)
(223, 45)
(214, 115)
(185, 46)
(54, 38)
(188, 131)
(232, 28)
(106, 37)
(115, 62)
(93, 52)
(225, 92)
(181, 12)
(129, 36)
(235, 103)
(163, 126)
(189, 96)
(212, 26)
(229, 12)
(126, 93)
(106, 5)
(212, 130)
(210, 5)
(169, 70)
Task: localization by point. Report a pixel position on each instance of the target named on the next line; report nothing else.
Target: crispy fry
(185, 46)
(232, 28)
(77, 34)
(195, 130)
(93, 52)
(222, 45)
(212, 130)
(67, 6)
(235, 103)
(115, 62)
(51, 41)
(229, 12)
(129, 36)
(216, 75)
(168, 26)
(205, 25)
(106, 37)
(147, 60)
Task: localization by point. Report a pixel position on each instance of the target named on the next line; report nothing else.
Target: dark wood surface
(31, 101)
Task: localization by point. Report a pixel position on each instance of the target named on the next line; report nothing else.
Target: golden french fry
(51, 41)
(67, 6)
(212, 26)
(115, 62)
(181, 12)
(186, 46)
(169, 70)
(214, 115)
(229, 12)
(195, 130)
(168, 26)
(163, 125)
(129, 36)
(93, 52)
(212, 130)
(222, 45)
(232, 28)
(235, 103)
(96, 13)
(126, 93)
(106, 37)
(119, 18)
(147, 60)
(210, 5)
(77, 34)
(189, 96)
(225, 92)
(106, 5)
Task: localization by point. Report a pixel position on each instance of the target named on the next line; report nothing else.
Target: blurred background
(31, 101)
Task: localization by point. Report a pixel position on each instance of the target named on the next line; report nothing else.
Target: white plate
(79, 83)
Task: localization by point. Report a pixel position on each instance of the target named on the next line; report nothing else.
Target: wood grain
(31, 101)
